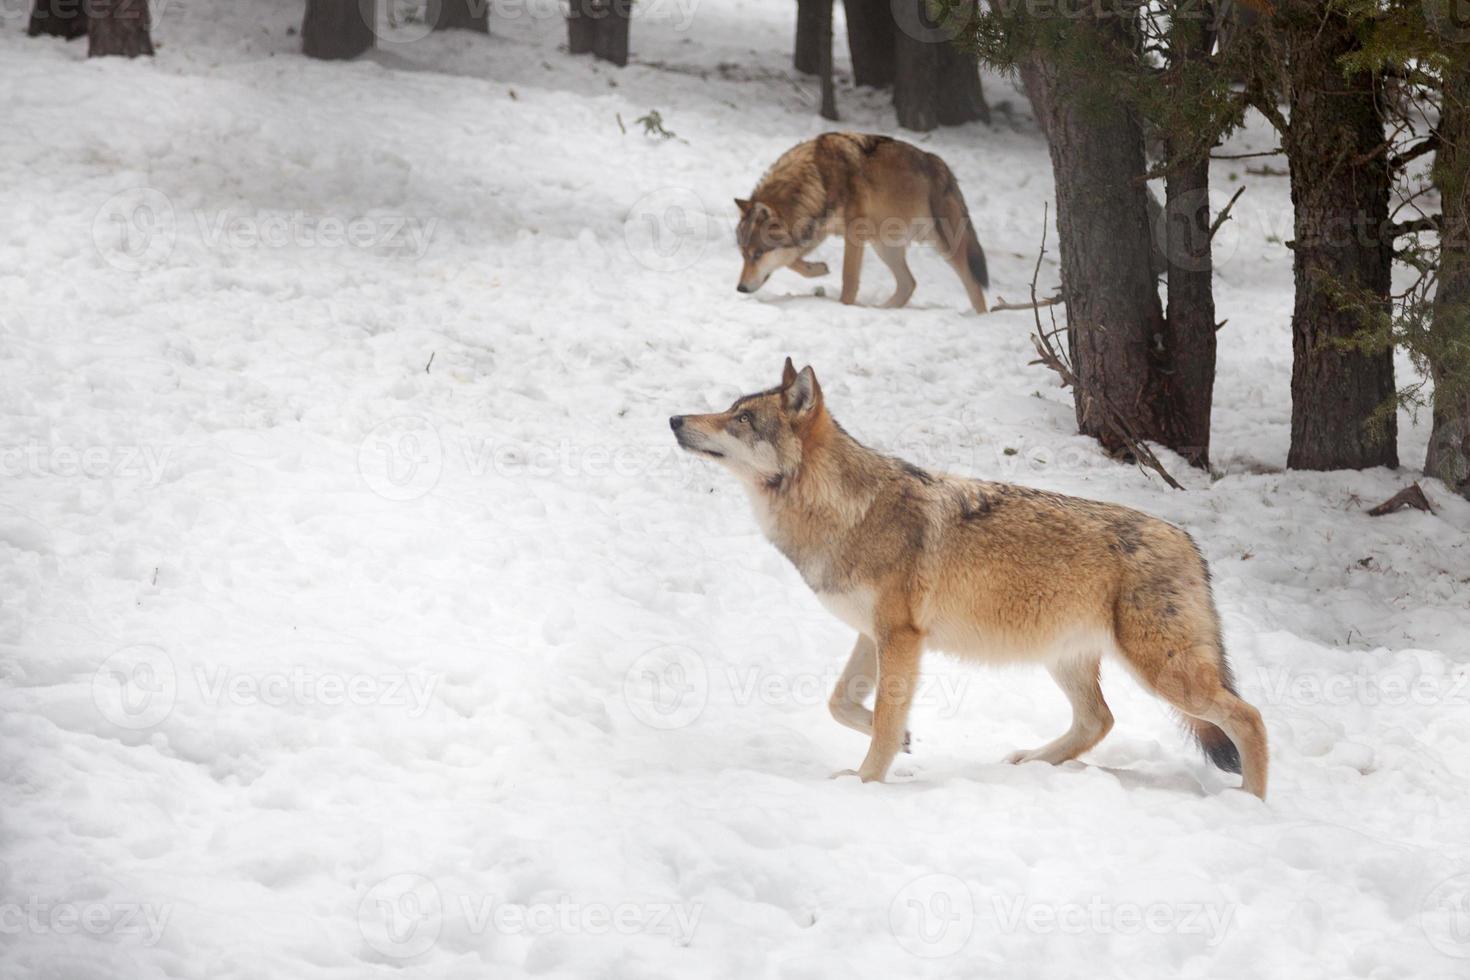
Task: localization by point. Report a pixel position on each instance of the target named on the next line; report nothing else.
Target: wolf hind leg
(896, 258)
(1091, 719)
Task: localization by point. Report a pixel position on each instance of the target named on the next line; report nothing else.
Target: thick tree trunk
(601, 27)
(807, 57)
(58, 18)
(870, 41)
(935, 83)
(1340, 184)
(118, 28)
(1187, 351)
(336, 29)
(1115, 321)
(1449, 441)
(464, 15)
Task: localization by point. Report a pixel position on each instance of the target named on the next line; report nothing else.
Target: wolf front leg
(809, 269)
(898, 677)
(852, 269)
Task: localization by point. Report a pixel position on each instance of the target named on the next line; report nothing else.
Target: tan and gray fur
(991, 572)
(867, 190)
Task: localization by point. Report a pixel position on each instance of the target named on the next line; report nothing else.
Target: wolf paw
(1019, 756)
(815, 269)
(843, 772)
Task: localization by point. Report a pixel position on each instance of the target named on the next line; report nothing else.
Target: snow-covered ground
(358, 618)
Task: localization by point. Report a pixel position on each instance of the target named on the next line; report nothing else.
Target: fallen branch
(1001, 304)
(1048, 354)
(1409, 496)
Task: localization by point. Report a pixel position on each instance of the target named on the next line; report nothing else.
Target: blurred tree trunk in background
(1342, 387)
(118, 28)
(807, 57)
(935, 82)
(870, 41)
(601, 27)
(58, 18)
(335, 29)
(1449, 442)
(466, 15)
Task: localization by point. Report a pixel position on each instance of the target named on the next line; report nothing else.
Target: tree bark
(807, 58)
(337, 29)
(1342, 389)
(1449, 441)
(601, 27)
(58, 18)
(1115, 321)
(119, 28)
(935, 82)
(829, 85)
(870, 41)
(1186, 354)
(464, 15)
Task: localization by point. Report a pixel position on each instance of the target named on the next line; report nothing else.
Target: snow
(322, 659)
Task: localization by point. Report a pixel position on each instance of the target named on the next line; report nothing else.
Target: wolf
(991, 572)
(870, 190)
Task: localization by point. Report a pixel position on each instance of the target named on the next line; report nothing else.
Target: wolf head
(760, 437)
(766, 244)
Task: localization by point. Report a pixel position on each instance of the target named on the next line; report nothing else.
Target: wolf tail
(955, 230)
(1212, 739)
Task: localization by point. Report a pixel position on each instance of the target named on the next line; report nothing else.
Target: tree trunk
(118, 28)
(1187, 353)
(807, 58)
(1114, 318)
(601, 27)
(58, 18)
(1342, 390)
(1449, 440)
(870, 41)
(935, 83)
(829, 86)
(464, 15)
(336, 29)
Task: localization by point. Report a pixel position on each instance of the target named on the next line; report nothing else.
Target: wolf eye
(745, 417)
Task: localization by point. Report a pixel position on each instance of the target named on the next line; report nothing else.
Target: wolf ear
(788, 374)
(803, 394)
(744, 206)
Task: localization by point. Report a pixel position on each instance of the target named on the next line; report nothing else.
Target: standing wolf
(871, 190)
(989, 571)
